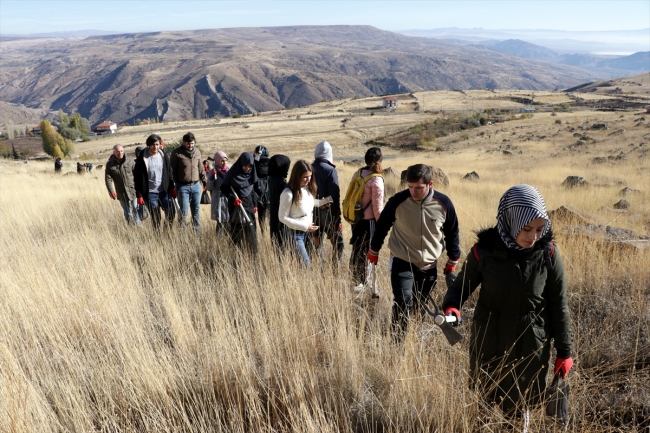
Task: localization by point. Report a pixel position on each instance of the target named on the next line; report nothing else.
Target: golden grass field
(107, 328)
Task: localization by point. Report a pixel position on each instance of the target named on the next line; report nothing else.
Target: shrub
(5, 151)
(236, 116)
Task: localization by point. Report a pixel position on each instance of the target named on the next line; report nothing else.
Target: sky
(29, 17)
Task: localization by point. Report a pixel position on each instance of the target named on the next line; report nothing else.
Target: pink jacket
(374, 191)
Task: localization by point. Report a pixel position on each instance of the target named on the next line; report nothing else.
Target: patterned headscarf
(518, 206)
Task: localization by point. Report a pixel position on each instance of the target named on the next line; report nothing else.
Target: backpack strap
(478, 255)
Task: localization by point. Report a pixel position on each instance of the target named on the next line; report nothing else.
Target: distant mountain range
(194, 74)
(560, 41)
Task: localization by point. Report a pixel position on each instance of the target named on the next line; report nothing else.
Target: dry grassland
(107, 328)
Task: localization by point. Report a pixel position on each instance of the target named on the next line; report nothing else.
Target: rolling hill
(205, 73)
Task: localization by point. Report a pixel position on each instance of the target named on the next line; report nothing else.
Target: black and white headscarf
(518, 206)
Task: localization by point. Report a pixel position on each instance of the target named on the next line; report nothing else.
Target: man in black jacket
(154, 184)
(328, 217)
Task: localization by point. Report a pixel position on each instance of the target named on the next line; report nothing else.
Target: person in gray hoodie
(328, 217)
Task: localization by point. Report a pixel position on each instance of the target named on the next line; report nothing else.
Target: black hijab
(238, 178)
(279, 166)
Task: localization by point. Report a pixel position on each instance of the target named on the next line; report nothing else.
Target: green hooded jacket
(522, 305)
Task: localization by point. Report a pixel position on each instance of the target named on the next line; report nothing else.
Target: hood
(262, 167)
(279, 166)
(489, 238)
(324, 151)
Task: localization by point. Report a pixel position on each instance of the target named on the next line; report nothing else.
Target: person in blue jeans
(153, 181)
(189, 177)
(296, 211)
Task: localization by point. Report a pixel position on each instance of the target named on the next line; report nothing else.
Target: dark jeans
(327, 225)
(361, 234)
(411, 288)
(157, 201)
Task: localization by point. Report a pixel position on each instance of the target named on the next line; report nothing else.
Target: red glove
(113, 195)
(173, 192)
(451, 311)
(340, 227)
(373, 256)
(562, 366)
(205, 188)
(450, 267)
(255, 209)
(237, 202)
(140, 201)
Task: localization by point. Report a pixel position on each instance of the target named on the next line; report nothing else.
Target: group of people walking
(522, 304)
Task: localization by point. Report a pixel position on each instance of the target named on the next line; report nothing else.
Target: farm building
(107, 127)
(389, 102)
(36, 130)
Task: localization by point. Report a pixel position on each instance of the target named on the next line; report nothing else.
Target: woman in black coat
(240, 187)
(278, 172)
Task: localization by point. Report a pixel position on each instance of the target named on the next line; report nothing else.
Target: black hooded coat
(278, 172)
(243, 183)
(521, 306)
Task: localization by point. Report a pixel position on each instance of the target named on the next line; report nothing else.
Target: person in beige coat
(189, 178)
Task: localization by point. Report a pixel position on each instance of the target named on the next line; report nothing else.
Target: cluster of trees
(53, 143)
(73, 127)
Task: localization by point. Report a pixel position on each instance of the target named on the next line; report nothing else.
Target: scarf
(238, 178)
(518, 206)
(218, 157)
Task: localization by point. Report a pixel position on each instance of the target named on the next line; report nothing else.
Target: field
(107, 328)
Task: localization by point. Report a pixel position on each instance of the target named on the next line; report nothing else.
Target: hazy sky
(25, 17)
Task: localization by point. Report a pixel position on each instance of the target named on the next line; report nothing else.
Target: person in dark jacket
(120, 183)
(261, 156)
(154, 183)
(328, 217)
(424, 223)
(240, 187)
(522, 303)
(58, 165)
(278, 172)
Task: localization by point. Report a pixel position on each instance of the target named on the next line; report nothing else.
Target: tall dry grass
(104, 327)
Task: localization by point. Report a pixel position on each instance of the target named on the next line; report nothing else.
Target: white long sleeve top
(299, 216)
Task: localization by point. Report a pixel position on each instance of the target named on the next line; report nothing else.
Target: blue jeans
(155, 202)
(189, 196)
(130, 209)
(298, 240)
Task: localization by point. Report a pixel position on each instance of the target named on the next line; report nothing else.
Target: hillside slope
(194, 74)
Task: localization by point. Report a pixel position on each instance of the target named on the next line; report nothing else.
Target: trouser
(298, 239)
(189, 196)
(159, 200)
(362, 233)
(130, 208)
(328, 225)
(244, 235)
(221, 228)
(411, 288)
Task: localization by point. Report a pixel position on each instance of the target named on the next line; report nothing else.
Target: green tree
(64, 120)
(67, 148)
(52, 140)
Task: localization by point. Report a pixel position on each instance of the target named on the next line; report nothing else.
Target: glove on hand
(173, 192)
(373, 256)
(237, 202)
(450, 277)
(340, 227)
(451, 311)
(140, 201)
(255, 209)
(113, 195)
(562, 366)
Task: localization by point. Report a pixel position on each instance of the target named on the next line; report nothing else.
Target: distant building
(145, 122)
(528, 110)
(105, 128)
(389, 102)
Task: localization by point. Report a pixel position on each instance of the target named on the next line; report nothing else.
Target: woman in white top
(297, 207)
